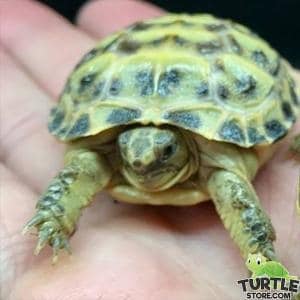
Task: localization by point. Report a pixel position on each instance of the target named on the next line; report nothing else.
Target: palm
(120, 250)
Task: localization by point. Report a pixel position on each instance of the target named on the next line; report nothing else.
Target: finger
(17, 203)
(26, 146)
(96, 16)
(42, 41)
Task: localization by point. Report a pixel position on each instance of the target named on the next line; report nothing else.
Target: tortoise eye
(168, 151)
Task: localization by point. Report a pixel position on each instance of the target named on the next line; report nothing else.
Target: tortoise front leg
(242, 214)
(59, 208)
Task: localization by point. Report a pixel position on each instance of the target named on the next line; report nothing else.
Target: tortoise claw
(45, 234)
(50, 232)
(59, 242)
(36, 220)
(40, 217)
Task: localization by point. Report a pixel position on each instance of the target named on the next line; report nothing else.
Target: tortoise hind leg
(242, 214)
(59, 208)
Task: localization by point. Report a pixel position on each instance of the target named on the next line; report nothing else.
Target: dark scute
(231, 131)
(62, 131)
(223, 92)
(158, 42)
(53, 111)
(140, 26)
(215, 27)
(209, 47)
(115, 87)
(246, 84)
(128, 46)
(256, 226)
(47, 201)
(184, 118)
(76, 101)
(275, 129)
(219, 65)
(111, 44)
(202, 89)
(98, 88)
(249, 215)
(57, 119)
(287, 111)
(123, 115)
(81, 126)
(86, 81)
(294, 96)
(254, 136)
(167, 82)
(260, 58)
(145, 82)
(177, 40)
(179, 22)
(276, 69)
(234, 45)
(68, 175)
(87, 57)
(261, 236)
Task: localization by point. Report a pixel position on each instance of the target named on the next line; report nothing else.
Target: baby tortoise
(261, 267)
(175, 110)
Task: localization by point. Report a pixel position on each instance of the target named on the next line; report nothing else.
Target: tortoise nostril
(137, 164)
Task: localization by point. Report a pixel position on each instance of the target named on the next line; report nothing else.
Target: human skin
(120, 251)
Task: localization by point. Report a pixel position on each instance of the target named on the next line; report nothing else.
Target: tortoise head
(153, 158)
(255, 261)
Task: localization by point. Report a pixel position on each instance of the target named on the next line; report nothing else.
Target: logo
(270, 280)
(269, 288)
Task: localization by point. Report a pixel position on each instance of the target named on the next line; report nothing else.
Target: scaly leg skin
(58, 210)
(242, 214)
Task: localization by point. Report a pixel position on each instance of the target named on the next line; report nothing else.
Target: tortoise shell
(211, 76)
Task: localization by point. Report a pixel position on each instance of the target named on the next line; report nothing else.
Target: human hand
(120, 251)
